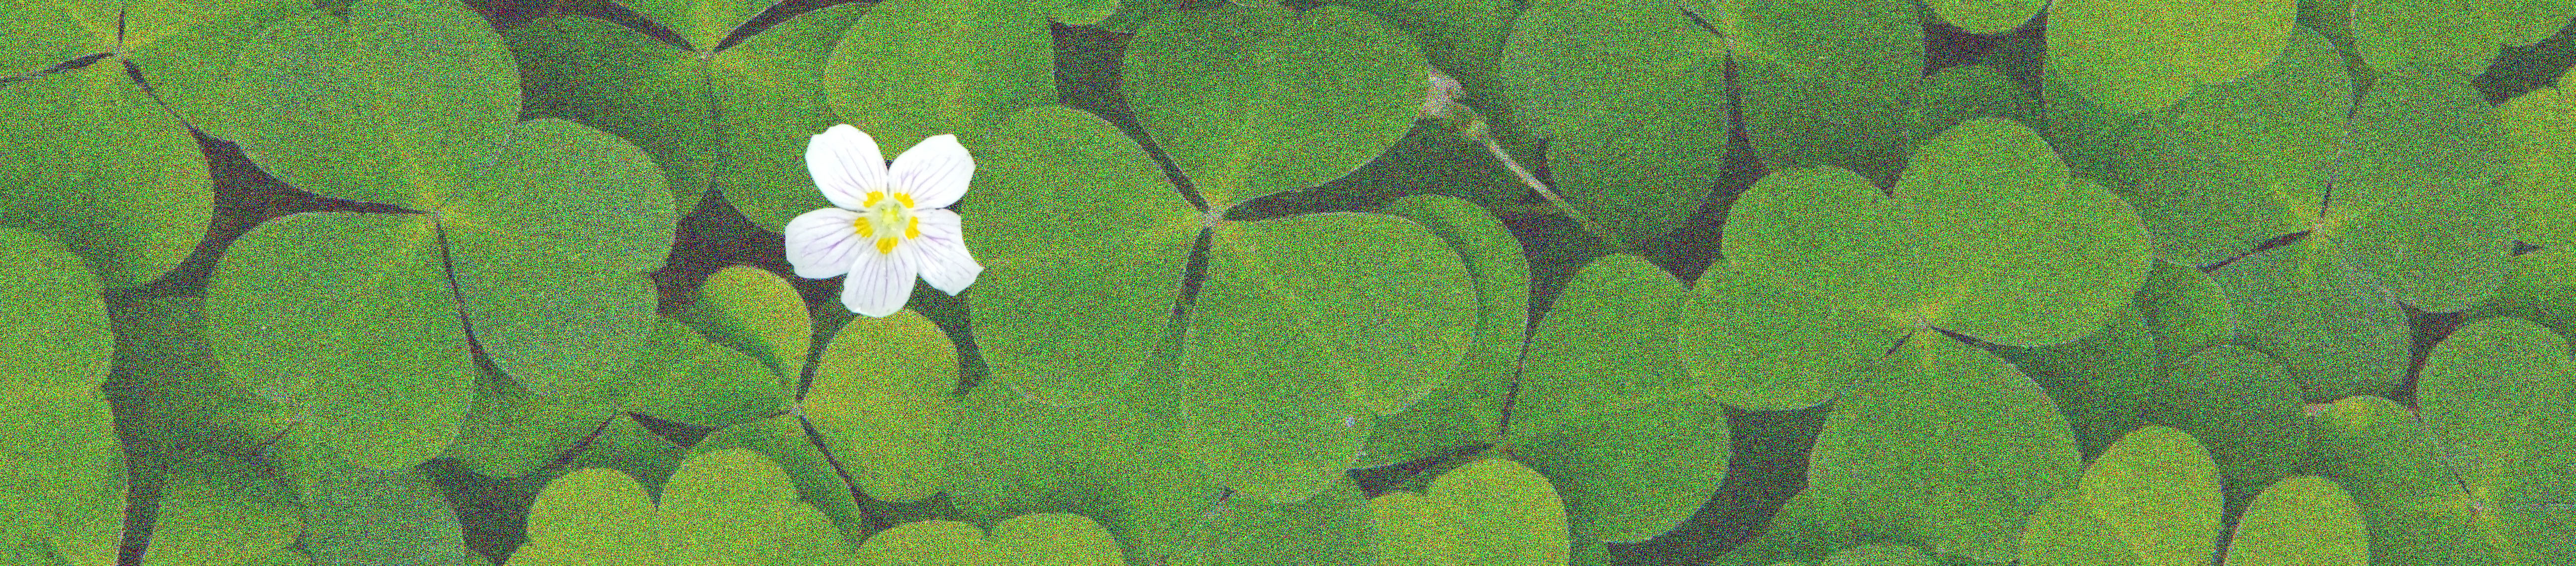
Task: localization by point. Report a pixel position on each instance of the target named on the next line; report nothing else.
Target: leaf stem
(1476, 131)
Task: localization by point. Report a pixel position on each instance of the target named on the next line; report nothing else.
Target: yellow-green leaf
(2301, 521)
(884, 393)
(2157, 491)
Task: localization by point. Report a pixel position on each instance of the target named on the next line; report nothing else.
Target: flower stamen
(890, 217)
(880, 205)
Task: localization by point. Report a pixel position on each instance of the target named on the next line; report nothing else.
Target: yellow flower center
(888, 218)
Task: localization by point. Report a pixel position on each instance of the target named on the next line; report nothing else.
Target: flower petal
(879, 284)
(940, 223)
(822, 243)
(944, 262)
(935, 172)
(846, 165)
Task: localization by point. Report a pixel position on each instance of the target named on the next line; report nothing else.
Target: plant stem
(1589, 224)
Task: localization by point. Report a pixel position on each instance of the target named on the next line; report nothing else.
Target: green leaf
(883, 395)
(364, 517)
(737, 506)
(217, 509)
(1988, 17)
(45, 33)
(2301, 521)
(433, 129)
(2156, 490)
(2537, 132)
(1006, 432)
(2098, 380)
(2497, 395)
(1332, 528)
(1307, 323)
(551, 251)
(2240, 404)
(1115, 460)
(1607, 411)
(1388, 305)
(701, 23)
(2235, 164)
(1824, 233)
(1461, 38)
(1757, 348)
(735, 120)
(592, 516)
(2455, 35)
(57, 328)
(786, 458)
(2422, 209)
(1051, 539)
(1415, 530)
(1949, 249)
(1842, 82)
(1510, 515)
(508, 431)
(683, 377)
(2339, 335)
(1990, 189)
(1489, 512)
(171, 388)
(1250, 102)
(61, 465)
(1880, 555)
(625, 446)
(1495, 262)
(912, 69)
(395, 104)
(1056, 539)
(93, 162)
(1467, 409)
(1896, 460)
(43, 37)
(2409, 498)
(2540, 175)
(1623, 91)
(2136, 56)
(2184, 310)
(346, 321)
(1083, 243)
(756, 312)
(930, 542)
(2066, 533)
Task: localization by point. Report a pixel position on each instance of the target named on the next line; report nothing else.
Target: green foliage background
(1363, 282)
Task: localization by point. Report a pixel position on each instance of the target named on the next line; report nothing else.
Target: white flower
(888, 226)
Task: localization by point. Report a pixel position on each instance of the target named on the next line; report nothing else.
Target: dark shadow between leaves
(1089, 64)
(75, 64)
(2276, 241)
(1377, 481)
(615, 13)
(780, 12)
(245, 195)
(2519, 69)
(1768, 466)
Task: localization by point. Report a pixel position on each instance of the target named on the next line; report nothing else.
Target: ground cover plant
(1353, 282)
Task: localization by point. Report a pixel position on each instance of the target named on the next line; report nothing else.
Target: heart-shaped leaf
(62, 468)
(1250, 102)
(1954, 248)
(1083, 244)
(1606, 411)
(347, 322)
